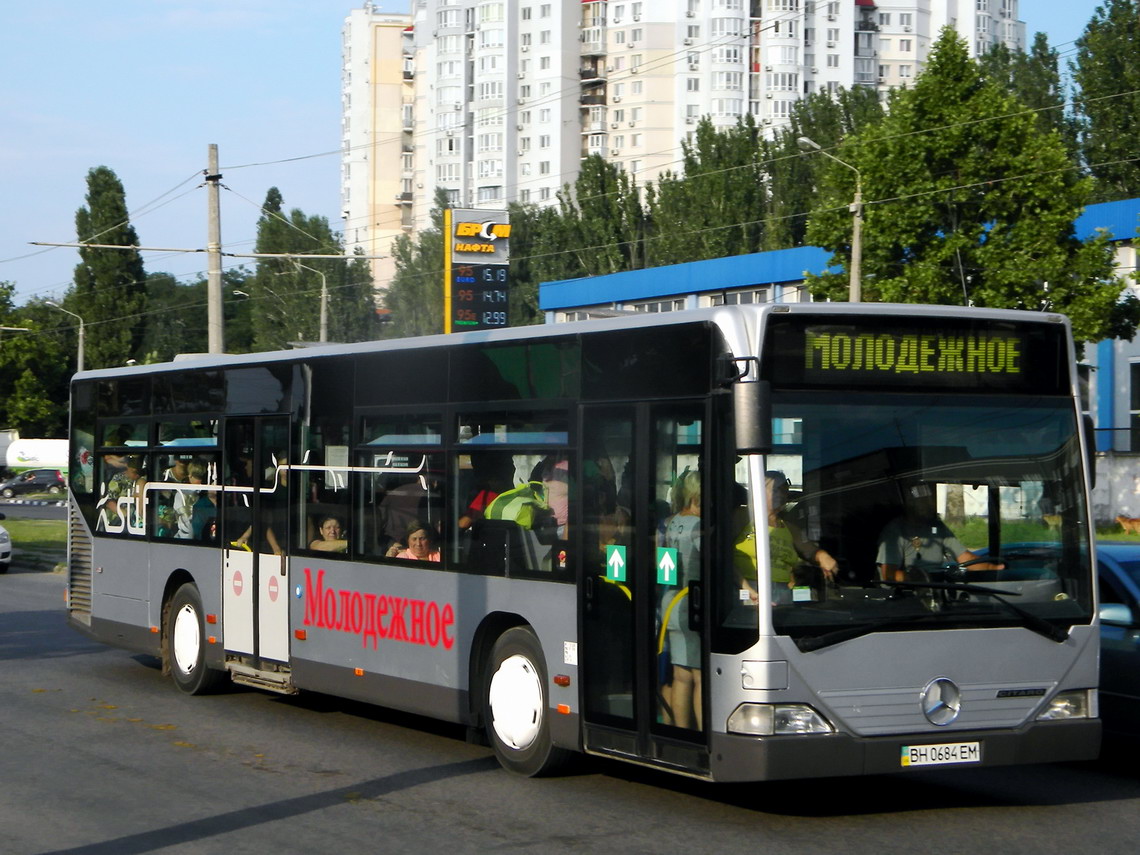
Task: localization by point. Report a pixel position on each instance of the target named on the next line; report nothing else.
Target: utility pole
(214, 318)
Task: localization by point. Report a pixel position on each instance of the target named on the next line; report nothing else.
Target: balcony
(594, 97)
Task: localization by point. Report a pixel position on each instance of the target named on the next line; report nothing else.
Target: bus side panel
(203, 567)
(398, 637)
(120, 595)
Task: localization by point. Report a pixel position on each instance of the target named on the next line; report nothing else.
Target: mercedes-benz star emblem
(941, 701)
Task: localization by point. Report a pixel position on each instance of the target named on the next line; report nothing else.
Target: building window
(739, 298)
(905, 45)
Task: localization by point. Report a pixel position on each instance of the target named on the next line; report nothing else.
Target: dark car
(1118, 566)
(33, 481)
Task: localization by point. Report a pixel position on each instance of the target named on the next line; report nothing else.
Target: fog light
(1066, 705)
(776, 720)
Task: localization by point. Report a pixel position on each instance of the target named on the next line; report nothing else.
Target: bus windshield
(940, 511)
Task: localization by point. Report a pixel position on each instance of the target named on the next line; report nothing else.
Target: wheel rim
(515, 698)
(187, 639)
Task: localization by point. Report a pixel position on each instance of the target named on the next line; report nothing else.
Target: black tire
(516, 706)
(186, 644)
(55, 489)
(8, 493)
(4, 567)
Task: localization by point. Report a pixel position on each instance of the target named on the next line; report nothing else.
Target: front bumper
(748, 758)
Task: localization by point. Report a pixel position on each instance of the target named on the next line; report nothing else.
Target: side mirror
(752, 416)
(1116, 614)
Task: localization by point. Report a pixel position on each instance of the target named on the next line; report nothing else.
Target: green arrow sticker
(615, 563)
(666, 566)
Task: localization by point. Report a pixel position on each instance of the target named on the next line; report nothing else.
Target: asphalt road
(100, 755)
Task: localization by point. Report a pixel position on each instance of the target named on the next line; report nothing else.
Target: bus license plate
(941, 755)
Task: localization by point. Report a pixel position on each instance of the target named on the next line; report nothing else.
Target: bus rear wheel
(516, 708)
(185, 640)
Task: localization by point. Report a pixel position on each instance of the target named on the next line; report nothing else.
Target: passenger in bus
(494, 474)
(556, 489)
(918, 540)
(205, 506)
(421, 544)
(136, 476)
(683, 533)
(330, 536)
(791, 555)
(179, 469)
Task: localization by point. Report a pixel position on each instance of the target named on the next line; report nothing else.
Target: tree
(110, 284)
(601, 218)
(716, 207)
(1108, 75)
(793, 178)
(1035, 79)
(286, 292)
(35, 367)
(968, 201)
(415, 295)
(352, 302)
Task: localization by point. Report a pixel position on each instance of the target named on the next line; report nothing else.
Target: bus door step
(273, 681)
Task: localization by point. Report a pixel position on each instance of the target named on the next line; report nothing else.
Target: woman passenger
(421, 544)
(330, 536)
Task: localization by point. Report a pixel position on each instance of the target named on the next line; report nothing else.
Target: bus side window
(396, 489)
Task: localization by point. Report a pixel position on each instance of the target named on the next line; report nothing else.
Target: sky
(145, 86)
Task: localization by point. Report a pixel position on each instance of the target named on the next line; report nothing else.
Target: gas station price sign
(479, 296)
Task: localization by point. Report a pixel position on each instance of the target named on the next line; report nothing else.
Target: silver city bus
(744, 543)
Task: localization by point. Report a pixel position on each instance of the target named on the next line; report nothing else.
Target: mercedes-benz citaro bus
(738, 543)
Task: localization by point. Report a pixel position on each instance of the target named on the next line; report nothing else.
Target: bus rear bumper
(747, 758)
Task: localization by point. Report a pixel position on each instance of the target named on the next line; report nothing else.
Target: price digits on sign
(480, 296)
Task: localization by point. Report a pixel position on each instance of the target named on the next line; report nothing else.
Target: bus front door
(255, 601)
(642, 641)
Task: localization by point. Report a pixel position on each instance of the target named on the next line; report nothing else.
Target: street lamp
(854, 287)
(324, 334)
(82, 333)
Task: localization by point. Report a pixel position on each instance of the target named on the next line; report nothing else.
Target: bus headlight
(1065, 705)
(776, 720)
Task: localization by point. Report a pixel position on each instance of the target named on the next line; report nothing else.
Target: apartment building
(500, 100)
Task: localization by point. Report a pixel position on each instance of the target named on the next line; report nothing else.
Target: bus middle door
(255, 601)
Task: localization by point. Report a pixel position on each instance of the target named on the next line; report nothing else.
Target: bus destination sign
(918, 354)
(479, 296)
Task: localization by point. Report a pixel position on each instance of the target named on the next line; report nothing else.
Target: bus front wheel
(185, 639)
(515, 706)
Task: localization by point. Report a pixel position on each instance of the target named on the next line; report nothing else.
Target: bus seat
(503, 548)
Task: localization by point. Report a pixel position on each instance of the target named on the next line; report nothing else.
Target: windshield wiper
(818, 642)
(1029, 620)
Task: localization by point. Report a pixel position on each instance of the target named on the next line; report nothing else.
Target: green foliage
(969, 200)
(1108, 74)
(1035, 79)
(176, 316)
(601, 222)
(717, 206)
(285, 293)
(415, 294)
(110, 284)
(34, 367)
